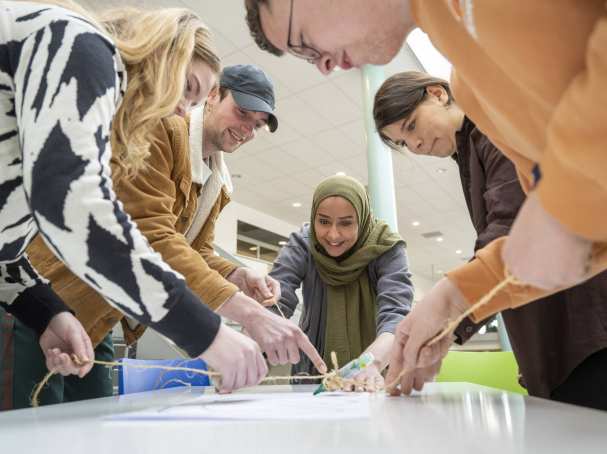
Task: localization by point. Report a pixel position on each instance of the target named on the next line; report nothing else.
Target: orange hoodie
(531, 74)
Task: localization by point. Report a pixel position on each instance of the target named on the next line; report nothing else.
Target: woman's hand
(369, 379)
(64, 336)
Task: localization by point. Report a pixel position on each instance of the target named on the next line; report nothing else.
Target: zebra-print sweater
(60, 84)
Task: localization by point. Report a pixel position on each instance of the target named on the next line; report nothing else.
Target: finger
(397, 365)
(406, 382)
(412, 350)
(65, 366)
(306, 346)
(89, 355)
(263, 288)
(262, 369)
(293, 353)
(418, 382)
(283, 355)
(252, 372)
(274, 286)
(227, 380)
(268, 302)
(272, 357)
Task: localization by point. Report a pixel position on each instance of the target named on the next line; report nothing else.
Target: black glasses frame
(302, 51)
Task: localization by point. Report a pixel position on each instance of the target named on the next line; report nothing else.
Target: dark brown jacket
(553, 335)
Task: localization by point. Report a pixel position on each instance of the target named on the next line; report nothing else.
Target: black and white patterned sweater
(61, 82)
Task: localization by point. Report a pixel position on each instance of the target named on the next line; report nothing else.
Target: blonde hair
(156, 47)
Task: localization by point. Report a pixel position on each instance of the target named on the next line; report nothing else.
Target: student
(353, 273)
(537, 101)
(175, 202)
(559, 340)
(61, 86)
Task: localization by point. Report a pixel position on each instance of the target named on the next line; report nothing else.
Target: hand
(237, 358)
(412, 362)
(540, 251)
(256, 285)
(369, 379)
(281, 339)
(63, 337)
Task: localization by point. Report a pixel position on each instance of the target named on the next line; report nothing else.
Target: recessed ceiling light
(439, 239)
(415, 223)
(441, 170)
(341, 174)
(296, 204)
(440, 271)
(282, 243)
(253, 248)
(458, 251)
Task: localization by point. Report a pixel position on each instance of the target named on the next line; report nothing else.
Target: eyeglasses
(307, 53)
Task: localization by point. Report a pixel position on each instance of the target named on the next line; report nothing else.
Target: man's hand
(541, 252)
(237, 358)
(282, 339)
(279, 338)
(63, 337)
(256, 285)
(412, 362)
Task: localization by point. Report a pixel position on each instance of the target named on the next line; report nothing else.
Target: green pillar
(379, 156)
(503, 334)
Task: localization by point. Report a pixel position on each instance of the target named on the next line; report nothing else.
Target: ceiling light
(282, 243)
(253, 248)
(458, 251)
(296, 204)
(341, 174)
(440, 271)
(439, 239)
(415, 223)
(441, 170)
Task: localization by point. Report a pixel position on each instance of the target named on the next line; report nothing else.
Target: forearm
(241, 309)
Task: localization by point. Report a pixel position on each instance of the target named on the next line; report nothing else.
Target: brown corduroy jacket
(162, 200)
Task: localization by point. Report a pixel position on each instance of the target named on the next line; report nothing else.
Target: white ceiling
(320, 133)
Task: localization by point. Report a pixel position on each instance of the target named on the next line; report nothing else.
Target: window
(257, 243)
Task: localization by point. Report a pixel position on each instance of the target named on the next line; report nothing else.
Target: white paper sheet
(262, 406)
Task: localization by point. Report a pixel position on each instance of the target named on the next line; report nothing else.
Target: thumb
(263, 288)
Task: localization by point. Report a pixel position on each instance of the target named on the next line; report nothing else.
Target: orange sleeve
(573, 186)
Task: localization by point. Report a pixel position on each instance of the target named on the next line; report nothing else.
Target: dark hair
(399, 96)
(254, 23)
(223, 92)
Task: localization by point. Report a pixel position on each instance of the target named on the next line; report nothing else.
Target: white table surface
(447, 418)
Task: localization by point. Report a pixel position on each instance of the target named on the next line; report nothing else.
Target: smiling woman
(354, 276)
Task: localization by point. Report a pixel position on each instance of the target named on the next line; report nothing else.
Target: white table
(449, 418)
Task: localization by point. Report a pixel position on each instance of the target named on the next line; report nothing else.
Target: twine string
(332, 381)
(453, 324)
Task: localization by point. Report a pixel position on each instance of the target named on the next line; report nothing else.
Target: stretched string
(453, 324)
(331, 380)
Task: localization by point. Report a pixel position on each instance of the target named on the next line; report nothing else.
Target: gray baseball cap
(252, 90)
